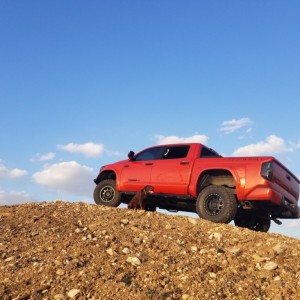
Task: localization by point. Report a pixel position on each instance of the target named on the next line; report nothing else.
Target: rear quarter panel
(259, 188)
(234, 167)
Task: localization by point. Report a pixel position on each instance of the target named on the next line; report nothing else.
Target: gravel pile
(59, 250)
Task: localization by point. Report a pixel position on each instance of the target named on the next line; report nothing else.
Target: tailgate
(286, 179)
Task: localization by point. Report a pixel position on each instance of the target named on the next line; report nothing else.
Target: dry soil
(59, 250)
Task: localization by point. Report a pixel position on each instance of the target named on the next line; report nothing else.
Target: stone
(193, 221)
(126, 250)
(60, 272)
(235, 251)
(258, 258)
(9, 259)
(194, 249)
(110, 251)
(278, 249)
(137, 240)
(73, 293)
(216, 235)
(134, 261)
(270, 265)
(124, 221)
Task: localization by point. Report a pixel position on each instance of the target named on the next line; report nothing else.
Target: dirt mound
(64, 250)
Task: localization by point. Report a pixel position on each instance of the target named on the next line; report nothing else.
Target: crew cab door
(170, 174)
(137, 172)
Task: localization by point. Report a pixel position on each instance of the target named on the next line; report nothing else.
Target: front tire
(105, 193)
(215, 203)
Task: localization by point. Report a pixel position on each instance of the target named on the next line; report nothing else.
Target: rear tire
(105, 193)
(248, 219)
(215, 203)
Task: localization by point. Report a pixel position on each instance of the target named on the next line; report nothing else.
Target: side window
(175, 152)
(208, 153)
(149, 154)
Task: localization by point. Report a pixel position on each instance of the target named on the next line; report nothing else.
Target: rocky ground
(60, 250)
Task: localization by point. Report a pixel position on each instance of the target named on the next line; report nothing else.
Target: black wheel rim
(213, 204)
(107, 194)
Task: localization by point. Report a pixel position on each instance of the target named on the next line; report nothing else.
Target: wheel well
(106, 175)
(215, 177)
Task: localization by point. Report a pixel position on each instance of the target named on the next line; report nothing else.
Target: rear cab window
(207, 152)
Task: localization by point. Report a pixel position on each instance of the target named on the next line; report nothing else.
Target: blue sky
(84, 82)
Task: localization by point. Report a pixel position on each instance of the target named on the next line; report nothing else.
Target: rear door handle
(184, 162)
(148, 164)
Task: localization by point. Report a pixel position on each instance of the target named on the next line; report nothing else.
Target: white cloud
(11, 173)
(14, 197)
(233, 125)
(246, 134)
(89, 149)
(113, 153)
(272, 145)
(293, 224)
(298, 144)
(69, 177)
(173, 139)
(43, 157)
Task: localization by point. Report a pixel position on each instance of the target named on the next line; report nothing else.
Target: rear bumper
(281, 206)
(292, 210)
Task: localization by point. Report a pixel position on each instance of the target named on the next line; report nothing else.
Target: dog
(138, 200)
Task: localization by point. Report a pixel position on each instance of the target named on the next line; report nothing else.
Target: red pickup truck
(251, 191)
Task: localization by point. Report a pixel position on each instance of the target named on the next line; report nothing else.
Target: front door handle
(149, 164)
(184, 162)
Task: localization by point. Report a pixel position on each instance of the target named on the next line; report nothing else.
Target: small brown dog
(137, 202)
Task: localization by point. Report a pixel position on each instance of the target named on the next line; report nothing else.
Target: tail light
(267, 170)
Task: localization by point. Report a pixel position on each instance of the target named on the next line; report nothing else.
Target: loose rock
(134, 261)
(270, 266)
(73, 293)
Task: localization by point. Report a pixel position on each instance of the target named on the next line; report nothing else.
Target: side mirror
(130, 155)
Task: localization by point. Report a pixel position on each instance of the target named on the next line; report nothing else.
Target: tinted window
(149, 154)
(206, 152)
(176, 152)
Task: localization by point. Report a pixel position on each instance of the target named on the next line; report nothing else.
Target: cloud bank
(272, 145)
(230, 126)
(14, 197)
(69, 177)
(89, 149)
(11, 173)
(173, 139)
(43, 157)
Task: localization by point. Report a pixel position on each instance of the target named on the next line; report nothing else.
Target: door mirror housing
(131, 155)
